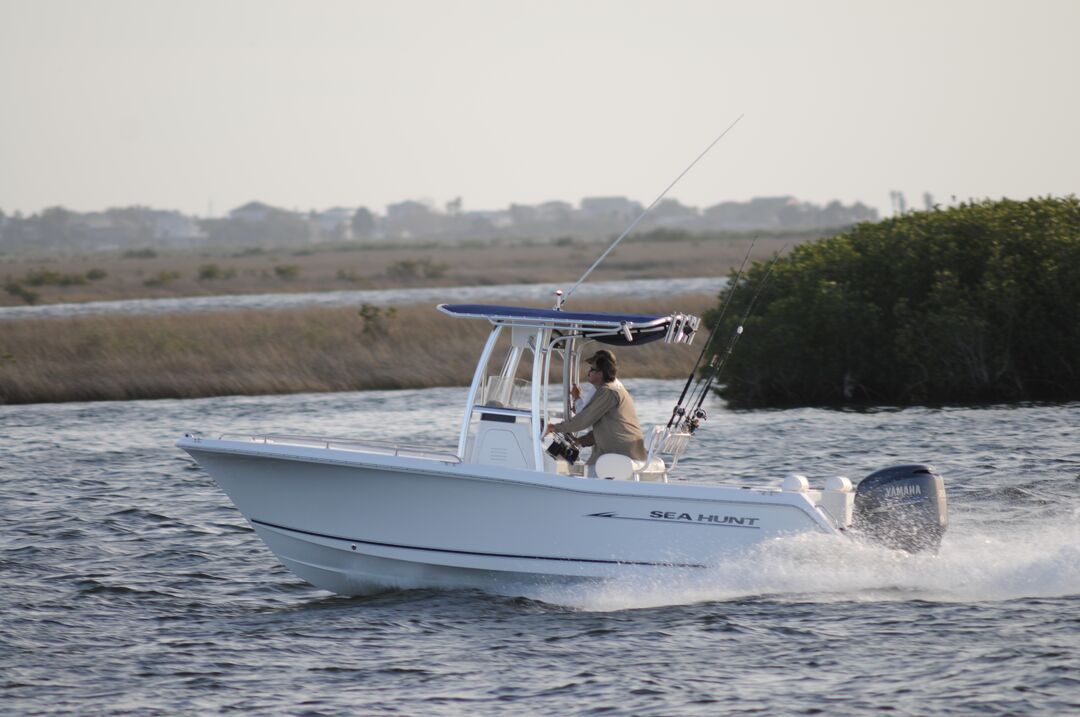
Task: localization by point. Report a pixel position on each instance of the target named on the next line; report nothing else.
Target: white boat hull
(355, 522)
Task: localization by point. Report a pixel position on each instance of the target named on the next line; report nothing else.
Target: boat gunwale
(349, 445)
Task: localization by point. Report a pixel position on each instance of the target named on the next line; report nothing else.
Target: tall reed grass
(309, 350)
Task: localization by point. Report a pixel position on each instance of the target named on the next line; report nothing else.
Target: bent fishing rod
(561, 298)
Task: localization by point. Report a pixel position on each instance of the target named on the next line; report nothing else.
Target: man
(610, 413)
(583, 394)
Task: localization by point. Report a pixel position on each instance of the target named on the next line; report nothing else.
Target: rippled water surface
(132, 586)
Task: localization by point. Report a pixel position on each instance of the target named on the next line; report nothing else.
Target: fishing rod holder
(683, 329)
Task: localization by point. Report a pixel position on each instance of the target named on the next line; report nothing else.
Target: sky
(203, 105)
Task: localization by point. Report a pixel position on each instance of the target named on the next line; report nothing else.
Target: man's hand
(575, 392)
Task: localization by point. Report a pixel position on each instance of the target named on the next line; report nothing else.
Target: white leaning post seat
(620, 467)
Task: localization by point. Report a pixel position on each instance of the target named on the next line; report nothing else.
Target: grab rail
(347, 444)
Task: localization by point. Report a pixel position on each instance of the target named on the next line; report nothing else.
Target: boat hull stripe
(473, 552)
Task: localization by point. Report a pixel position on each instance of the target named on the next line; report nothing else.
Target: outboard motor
(902, 507)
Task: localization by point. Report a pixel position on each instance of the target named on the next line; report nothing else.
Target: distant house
(670, 213)
(408, 209)
(413, 219)
(173, 227)
(103, 231)
(758, 213)
(252, 212)
(609, 208)
(523, 214)
(335, 223)
(495, 218)
(554, 212)
(783, 213)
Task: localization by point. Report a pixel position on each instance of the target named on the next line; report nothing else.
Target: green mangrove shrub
(979, 302)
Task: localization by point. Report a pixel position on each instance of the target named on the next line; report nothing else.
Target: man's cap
(602, 356)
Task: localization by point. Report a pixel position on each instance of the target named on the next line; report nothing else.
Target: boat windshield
(506, 392)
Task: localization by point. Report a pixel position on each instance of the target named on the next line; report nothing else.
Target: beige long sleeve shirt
(614, 422)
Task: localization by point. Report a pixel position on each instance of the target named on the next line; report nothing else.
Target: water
(640, 288)
(131, 585)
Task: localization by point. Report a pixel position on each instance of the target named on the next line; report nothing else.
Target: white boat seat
(620, 467)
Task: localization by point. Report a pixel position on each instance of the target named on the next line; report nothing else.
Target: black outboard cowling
(902, 507)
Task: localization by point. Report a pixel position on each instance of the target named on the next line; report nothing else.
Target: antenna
(648, 209)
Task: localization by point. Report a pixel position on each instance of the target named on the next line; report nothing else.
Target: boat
(512, 506)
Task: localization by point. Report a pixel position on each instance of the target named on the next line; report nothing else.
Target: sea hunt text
(703, 518)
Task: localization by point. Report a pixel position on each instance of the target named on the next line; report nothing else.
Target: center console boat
(512, 506)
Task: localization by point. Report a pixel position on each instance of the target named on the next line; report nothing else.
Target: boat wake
(987, 563)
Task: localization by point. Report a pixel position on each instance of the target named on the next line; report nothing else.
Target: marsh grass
(151, 274)
(309, 350)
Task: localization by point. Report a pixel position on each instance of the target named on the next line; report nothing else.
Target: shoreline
(500, 293)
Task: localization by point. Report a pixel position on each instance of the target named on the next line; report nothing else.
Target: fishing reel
(696, 417)
(691, 422)
(563, 446)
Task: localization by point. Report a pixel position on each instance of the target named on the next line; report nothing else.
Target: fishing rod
(717, 363)
(562, 298)
(679, 410)
(701, 389)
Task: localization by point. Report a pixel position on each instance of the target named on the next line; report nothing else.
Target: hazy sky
(183, 103)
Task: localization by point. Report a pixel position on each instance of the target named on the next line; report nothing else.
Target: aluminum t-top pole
(647, 210)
